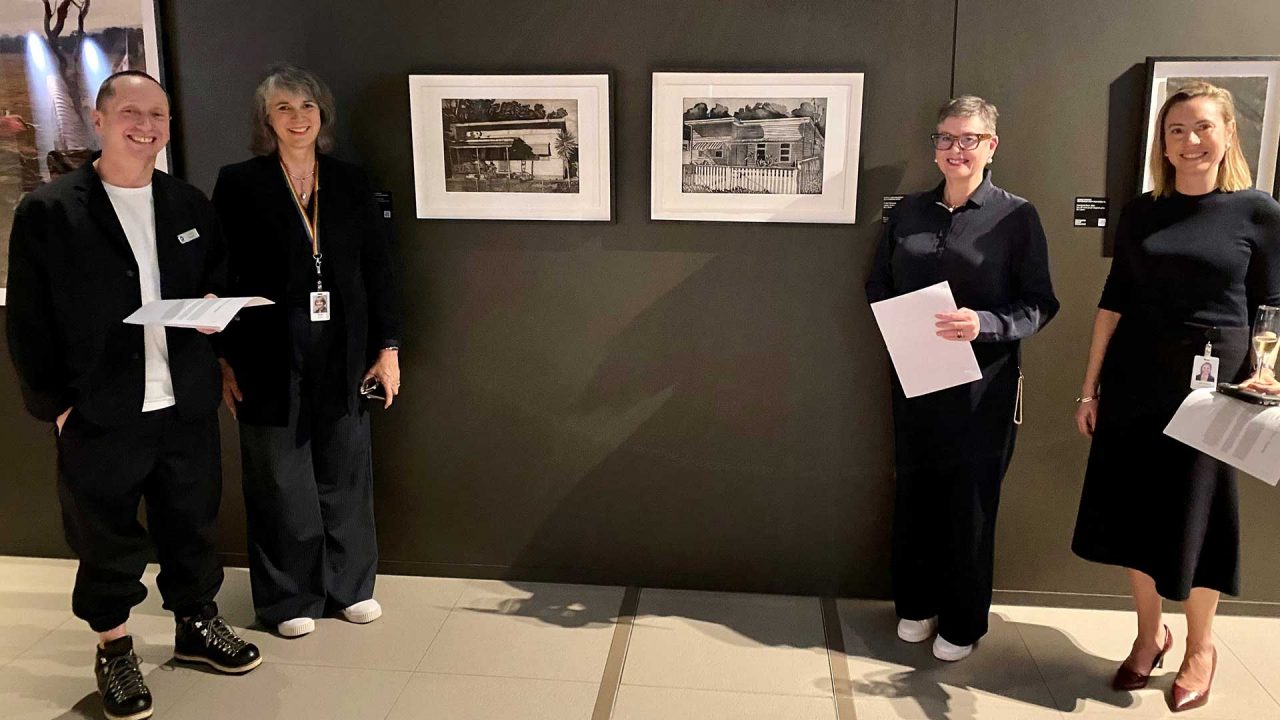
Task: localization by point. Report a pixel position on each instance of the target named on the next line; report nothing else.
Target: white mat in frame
(746, 189)
(442, 194)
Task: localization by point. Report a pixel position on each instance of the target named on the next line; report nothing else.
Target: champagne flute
(1266, 340)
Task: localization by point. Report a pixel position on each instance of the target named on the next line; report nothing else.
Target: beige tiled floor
(764, 644)
(485, 650)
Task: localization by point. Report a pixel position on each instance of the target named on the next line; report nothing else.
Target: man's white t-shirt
(135, 209)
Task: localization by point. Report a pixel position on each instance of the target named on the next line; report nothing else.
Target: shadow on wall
(1125, 115)
(746, 466)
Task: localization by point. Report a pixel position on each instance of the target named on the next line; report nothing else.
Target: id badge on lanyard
(1204, 370)
(321, 304)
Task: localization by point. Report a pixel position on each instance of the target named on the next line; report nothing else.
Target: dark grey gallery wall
(681, 404)
(661, 403)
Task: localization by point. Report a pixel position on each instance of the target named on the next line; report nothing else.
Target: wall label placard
(383, 199)
(1091, 212)
(890, 202)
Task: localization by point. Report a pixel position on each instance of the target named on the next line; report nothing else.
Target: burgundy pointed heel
(1184, 699)
(1129, 679)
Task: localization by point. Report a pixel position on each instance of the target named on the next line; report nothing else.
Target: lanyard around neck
(312, 223)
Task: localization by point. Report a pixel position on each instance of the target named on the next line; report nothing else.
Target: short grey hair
(290, 78)
(967, 106)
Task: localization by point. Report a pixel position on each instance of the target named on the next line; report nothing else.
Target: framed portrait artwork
(511, 147)
(755, 147)
(54, 55)
(1254, 83)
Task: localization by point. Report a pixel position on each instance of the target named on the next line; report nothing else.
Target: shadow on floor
(1000, 666)
(883, 667)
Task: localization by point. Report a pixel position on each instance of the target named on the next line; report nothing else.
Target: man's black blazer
(72, 281)
(261, 221)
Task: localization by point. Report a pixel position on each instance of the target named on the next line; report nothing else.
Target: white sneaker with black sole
(914, 631)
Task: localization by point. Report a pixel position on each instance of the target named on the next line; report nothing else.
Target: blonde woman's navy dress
(1188, 269)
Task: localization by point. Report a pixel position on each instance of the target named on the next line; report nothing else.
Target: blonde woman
(1194, 258)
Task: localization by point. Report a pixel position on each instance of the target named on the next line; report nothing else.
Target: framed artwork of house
(755, 147)
(511, 147)
(1254, 83)
(54, 55)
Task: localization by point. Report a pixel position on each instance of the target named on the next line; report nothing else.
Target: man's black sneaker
(124, 693)
(207, 638)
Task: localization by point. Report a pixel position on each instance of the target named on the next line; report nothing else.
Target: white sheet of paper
(925, 362)
(194, 312)
(1240, 434)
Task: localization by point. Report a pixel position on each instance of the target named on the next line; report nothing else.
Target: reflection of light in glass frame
(96, 67)
(1160, 69)
(38, 53)
(42, 85)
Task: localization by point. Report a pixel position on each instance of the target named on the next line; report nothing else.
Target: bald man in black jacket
(135, 408)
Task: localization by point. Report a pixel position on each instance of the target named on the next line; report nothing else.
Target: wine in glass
(1266, 341)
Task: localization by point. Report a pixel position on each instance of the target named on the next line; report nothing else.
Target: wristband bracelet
(1086, 399)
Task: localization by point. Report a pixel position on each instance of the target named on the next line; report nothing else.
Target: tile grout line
(837, 661)
(458, 598)
(41, 639)
(1219, 639)
(611, 678)
(392, 708)
(1057, 707)
(731, 691)
(173, 704)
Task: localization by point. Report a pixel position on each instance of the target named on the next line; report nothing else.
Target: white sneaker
(914, 631)
(365, 611)
(947, 652)
(296, 627)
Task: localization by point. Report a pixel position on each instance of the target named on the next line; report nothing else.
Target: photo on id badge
(319, 306)
(1204, 373)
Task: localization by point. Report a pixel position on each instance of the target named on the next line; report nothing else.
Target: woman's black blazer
(259, 218)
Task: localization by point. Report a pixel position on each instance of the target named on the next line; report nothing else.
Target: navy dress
(1188, 270)
(952, 447)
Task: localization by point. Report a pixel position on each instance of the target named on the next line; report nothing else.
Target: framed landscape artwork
(756, 147)
(511, 147)
(1254, 83)
(54, 54)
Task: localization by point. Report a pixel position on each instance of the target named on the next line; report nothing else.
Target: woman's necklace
(302, 187)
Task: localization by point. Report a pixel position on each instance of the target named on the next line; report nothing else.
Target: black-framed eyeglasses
(944, 141)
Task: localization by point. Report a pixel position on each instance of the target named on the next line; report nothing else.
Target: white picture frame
(772, 147)
(1255, 85)
(484, 167)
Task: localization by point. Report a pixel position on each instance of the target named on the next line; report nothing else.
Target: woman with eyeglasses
(1193, 260)
(953, 446)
